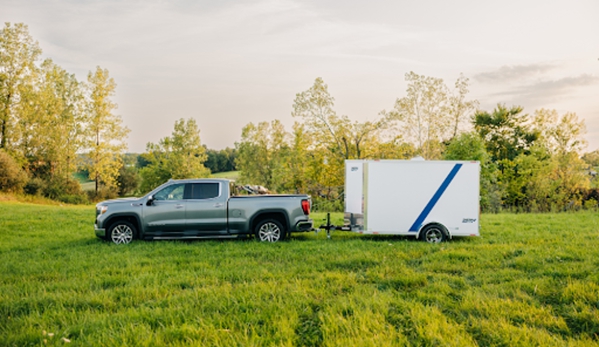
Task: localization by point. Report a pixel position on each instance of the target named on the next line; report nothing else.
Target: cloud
(514, 73)
(551, 89)
(537, 85)
(245, 60)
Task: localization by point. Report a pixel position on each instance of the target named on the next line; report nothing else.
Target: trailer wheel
(269, 230)
(433, 233)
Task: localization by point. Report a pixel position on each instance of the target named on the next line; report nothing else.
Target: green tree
(523, 180)
(394, 148)
(213, 160)
(330, 139)
(51, 124)
(128, 180)
(460, 110)
(298, 179)
(228, 156)
(431, 113)
(18, 54)
(540, 164)
(12, 177)
(341, 137)
(220, 160)
(333, 140)
(186, 153)
(505, 131)
(509, 140)
(591, 158)
(560, 134)
(562, 137)
(315, 107)
(469, 146)
(178, 156)
(539, 181)
(572, 179)
(421, 113)
(313, 171)
(105, 131)
(263, 153)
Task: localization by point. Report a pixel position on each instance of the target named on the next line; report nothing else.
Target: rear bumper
(304, 225)
(100, 232)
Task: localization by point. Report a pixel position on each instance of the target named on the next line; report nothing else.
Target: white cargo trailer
(430, 200)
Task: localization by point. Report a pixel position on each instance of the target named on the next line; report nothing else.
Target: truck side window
(174, 192)
(204, 190)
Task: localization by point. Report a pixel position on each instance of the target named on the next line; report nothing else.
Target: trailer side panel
(401, 197)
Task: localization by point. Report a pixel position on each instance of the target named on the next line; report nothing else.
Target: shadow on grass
(347, 236)
(182, 241)
(296, 237)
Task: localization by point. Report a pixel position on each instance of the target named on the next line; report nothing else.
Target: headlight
(102, 209)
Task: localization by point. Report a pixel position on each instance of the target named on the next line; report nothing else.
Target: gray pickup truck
(202, 208)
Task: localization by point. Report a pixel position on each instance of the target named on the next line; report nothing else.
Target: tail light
(306, 206)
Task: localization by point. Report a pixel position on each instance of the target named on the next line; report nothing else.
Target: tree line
(48, 117)
(529, 162)
(53, 126)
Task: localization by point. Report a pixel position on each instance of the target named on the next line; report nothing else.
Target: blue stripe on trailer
(418, 223)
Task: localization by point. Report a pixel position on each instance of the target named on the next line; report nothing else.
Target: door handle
(218, 205)
(179, 206)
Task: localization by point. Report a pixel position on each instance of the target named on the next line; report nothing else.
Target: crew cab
(202, 208)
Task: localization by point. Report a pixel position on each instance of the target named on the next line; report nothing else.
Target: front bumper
(100, 232)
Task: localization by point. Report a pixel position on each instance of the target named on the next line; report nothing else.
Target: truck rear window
(204, 190)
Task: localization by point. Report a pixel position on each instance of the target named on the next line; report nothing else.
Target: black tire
(433, 233)
(269, 230)
(121, 232)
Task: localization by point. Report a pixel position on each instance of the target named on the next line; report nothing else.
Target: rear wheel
(269, 230)
(433, 234)
(121, 232)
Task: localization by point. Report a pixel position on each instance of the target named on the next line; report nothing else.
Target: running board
(195, 237)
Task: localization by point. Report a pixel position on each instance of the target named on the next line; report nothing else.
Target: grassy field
(530, 280)
(84, 181)
(232, 175)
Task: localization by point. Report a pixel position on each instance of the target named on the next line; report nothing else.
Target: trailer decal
(433, 201)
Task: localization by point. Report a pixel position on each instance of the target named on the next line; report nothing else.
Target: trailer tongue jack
(330, 227)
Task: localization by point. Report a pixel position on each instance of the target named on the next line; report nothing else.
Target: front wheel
(433, 234)
(121, 232)
(269, 230)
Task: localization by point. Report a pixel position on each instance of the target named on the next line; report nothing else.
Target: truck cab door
(206, 211)
(166, 213)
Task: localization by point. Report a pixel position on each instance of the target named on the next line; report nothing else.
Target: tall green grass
(529, 280)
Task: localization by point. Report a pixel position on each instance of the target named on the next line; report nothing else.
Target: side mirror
(150, 200)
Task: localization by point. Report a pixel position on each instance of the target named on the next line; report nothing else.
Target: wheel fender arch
(129, 217)
(277, 214)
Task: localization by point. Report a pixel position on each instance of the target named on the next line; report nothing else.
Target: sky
(228, 63)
